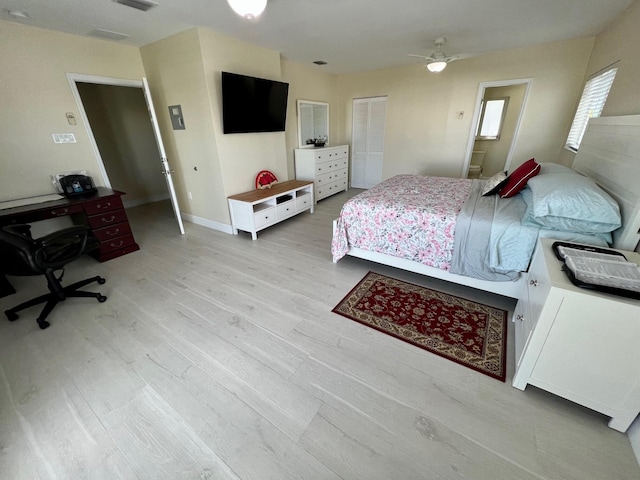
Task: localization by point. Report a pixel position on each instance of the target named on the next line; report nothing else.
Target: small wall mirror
(313, 122)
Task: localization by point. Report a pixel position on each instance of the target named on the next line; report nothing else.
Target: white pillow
(494, 184)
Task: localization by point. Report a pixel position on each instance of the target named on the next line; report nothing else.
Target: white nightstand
(577, 343)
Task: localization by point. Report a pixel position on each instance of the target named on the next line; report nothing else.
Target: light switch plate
(177, 120)
(63, 137)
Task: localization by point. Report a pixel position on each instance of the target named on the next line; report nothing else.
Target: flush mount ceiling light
(249, 9)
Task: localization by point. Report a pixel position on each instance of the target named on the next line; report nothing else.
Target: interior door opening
(121, 128)
(488, 155)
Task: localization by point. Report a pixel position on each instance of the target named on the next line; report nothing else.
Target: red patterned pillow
(519, 177)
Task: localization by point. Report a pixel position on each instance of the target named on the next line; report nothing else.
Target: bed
(400, 234)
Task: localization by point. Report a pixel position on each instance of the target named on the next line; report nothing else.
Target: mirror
(313, 122)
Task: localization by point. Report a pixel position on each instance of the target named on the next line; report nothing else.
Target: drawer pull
(533, 283)
(105, 220)
(116, 245)
(113, 232)
(106, 205)
(520, 318)
(59, 212)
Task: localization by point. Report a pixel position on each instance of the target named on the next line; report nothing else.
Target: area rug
(466, 332)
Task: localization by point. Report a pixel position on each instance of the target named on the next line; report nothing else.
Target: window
(491, 118)
(591, 104)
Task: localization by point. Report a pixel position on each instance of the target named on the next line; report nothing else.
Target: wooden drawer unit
(112, 231)
(258, 209)
(327, 167)
(103, 205)
(109, 224)
(107, 218)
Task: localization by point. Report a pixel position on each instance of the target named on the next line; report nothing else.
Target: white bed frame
(610, 154)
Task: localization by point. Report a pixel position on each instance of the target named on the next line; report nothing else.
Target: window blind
(591, 104)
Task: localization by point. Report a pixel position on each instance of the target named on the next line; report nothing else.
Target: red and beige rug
(463, 331)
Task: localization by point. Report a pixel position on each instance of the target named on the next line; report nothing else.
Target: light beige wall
(498, 150)
(308, 83)
(617, 43)
(186, 69)
(176, 75)
(35, 95)
(423, 134)
(242, 155)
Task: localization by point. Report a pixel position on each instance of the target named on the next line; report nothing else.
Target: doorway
(488, 156)
(119, 122)
(122, 127)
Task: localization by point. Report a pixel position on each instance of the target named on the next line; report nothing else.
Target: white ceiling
(351, 35)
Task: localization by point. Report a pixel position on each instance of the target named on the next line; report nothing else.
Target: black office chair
(22, 255)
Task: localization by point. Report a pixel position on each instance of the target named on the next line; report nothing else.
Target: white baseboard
(142, 201)
(221, 227)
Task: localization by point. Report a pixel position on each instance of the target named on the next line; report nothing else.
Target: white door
(367, 138)
(166, 170)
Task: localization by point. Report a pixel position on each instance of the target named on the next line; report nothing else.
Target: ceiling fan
(437, 61)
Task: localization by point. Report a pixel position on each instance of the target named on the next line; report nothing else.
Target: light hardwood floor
(218, 357)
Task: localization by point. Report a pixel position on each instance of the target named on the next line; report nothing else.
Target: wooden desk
(103, 213)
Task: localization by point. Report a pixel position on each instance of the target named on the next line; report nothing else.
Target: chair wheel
(101, 280)
(43, 324)
(12, 316)
(102, 298)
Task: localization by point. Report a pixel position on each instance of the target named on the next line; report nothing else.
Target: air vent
(143, 5)
(108, 34)
(320, 62)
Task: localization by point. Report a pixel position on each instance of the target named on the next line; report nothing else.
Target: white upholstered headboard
(610, 154)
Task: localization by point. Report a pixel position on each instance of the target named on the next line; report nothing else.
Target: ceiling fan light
(436, 67)
(249, 9)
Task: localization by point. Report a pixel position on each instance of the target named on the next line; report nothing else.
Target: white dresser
(577, 343)
(327, 167)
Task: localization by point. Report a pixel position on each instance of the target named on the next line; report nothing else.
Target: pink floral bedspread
(408, 216)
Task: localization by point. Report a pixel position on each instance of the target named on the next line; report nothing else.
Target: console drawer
(264, 217)
(286, 209)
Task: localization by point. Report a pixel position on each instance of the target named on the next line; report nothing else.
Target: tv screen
(252, 104)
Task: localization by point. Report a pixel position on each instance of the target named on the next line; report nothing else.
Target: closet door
(367, 138)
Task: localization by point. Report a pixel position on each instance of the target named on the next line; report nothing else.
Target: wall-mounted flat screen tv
(252, 104)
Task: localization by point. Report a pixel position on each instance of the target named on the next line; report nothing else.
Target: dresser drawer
(103, 256)
(330, 166)
(112, 231)
(331, 154)
(108, 218)
(331, 177)
(103, 205)
(116, 243)
(330, 189)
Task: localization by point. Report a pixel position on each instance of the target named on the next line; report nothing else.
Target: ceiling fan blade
(419, 56)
